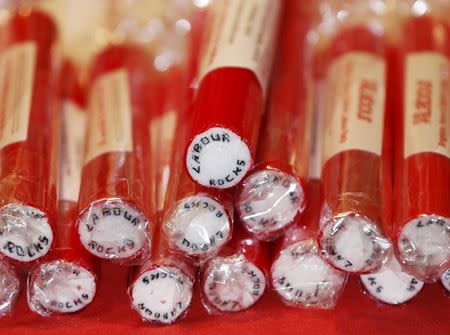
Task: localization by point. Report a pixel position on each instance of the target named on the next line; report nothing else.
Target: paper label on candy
(74, 126)
(354, 111)
(17, 66)
(427, 104)
(109, 117)
(242, 34)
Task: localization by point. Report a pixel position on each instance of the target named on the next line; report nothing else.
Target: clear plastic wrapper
(391, 284)
(236, 278)
(356, 159)
(116, 202)
(228, 105)
(273, 194)
(162, 289)
(9, 288)
(298, 273)
(29, 134)
(66, 283)
(422, 156)
(445, 280)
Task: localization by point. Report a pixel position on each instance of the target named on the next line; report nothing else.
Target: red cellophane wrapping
(229, 102)
(66, 282)
(116, 200)
(29, 136)
(356, 160)
(422, 163)
(273, 195)
(299, 274)
(237, 277)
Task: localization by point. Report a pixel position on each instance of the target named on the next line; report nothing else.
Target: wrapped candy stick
(66, 283)
(162, 289)
(299, 274)
(116, 202)
(229, 101)
(354, 170)
(273, 194)
(9, 288)
(236, 278)
(29, 136)
(422, 160)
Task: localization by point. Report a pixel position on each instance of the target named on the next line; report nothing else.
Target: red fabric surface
(356, 313)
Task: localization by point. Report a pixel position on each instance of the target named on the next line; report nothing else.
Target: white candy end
(112, 229)
(9, 288)
(354, 244)
(25, 234)
(302, 278)
(424, 245)
(445, 279)
(198, 225)
(218, 158)
(391, 285)
(232, 284)
(162, 294)
(269, 201)
(60, 287)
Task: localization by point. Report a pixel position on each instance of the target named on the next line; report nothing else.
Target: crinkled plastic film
(236, 278)
(422, 156)
(445, 280)
(9, 288)
(356, 169)
(116, 200)
(29, 156)
(299, 274)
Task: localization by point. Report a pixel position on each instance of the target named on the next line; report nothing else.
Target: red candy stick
(163, 287)
(29, 137)
(299, 274)
(273, 195)
(237, 278)
(67, 282)
(351, 237)
(422, 163)
(116, 201)
(229, 101)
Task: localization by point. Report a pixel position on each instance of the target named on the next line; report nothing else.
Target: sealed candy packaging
(273, 194)
(162, 289)
(9, 288)
(422, 160)
(66, 282)
(355, 156)
(298, 273)
(236, 278)
(445, 280)
(115, 200)
(29, 136)
(229, 102)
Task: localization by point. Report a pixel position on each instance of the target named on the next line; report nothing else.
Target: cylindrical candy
(229, 102)
(162, 290)
(236, 278)
(299, 274)
(391, 285)
(422, 156)
(273, 194)
(66, 283)
(29, 136)
(354, 153)
(116, 201)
